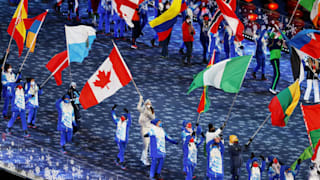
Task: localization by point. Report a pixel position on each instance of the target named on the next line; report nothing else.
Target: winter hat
(147, 102)
(184, 124)
(66, 96)
(255, 160)
(233, 138)
(155, 121)
(73, 84)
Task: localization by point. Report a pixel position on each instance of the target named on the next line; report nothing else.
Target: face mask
(203, 4)
(255, 165)
(149, 106)
(160, 124)
(123, 118)
(66, 101)
(188, 21)
(189, 125)
(10, 70)
(19, 87)
(32, 83)
(167, 6)
(275, 161)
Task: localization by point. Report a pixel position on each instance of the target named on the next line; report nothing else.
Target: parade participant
(187, 34)
(228, 42)
(146, 115)
(204, 38)
(261, 51)
(74, 95)
(312, 80)
(215, 150)
(119, 25)
(275, 46)
(157, 11)
(104, 11)
(213, 132)
(136, 30)
(274, 168)
(314, 172)
(157, 147)
(214, 45)
(190, 151)
(122, 133)
(143, 13)
(287, 174)
(165, 43)
(255, 168)
(8, 80)
(73, 6)
(32, 92)
(18, 109)
(65, 121)
(235, 151)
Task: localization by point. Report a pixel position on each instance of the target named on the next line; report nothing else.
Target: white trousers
(146, 143)
(311, 82)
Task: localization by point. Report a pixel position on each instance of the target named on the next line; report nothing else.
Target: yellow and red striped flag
(19, 34)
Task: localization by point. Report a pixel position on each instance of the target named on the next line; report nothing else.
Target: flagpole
(234, 99)
(34, 39)
(53, 73)
(294, 11)
(14, 29)
(198, 118)
(70, 74)
(255, 133)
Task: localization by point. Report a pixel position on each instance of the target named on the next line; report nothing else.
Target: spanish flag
(283, 105)
(19, 34)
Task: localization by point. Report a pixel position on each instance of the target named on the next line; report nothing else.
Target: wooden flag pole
(255, 133)
(54, 72)
(10, 41)
(33, 41)
(294, 11)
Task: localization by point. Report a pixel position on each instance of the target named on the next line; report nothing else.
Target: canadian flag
(112, 75)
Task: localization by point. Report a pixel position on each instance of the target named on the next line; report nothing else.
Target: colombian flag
(20, 30)
(33, 25)
(164, 23)
(282, 105)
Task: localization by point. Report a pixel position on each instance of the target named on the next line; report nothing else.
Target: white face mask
(149, 106)
(203, 4)
(32, 83)
(188, 20)
(167, 6)
(10, 70)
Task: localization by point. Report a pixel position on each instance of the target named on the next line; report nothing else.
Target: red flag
(57, 64)
(19, 29)
(232, 19)
(112, 75)
(217, 17)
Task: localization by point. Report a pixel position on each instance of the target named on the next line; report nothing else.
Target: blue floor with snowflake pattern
(93, 150)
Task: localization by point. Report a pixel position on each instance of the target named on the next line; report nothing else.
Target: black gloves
(126, 110)
(262, 157)
(197, 124)
(299, 161)
(202, 134)
(114, 106)
(252, 155)
(193, 133)
(146, 135)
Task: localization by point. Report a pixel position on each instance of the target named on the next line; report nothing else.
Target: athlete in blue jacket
(157, 147)
(122, 133)
(254, 168)
(32, 92)
(215, 150)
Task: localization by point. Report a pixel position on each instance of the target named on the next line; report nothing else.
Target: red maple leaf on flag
(103, 79)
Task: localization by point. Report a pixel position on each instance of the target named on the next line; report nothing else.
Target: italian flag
(283, 104)
(227, 75)
(311, 114)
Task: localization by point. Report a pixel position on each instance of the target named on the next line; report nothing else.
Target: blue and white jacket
(122, 131)
(8, 81)
(255, 173)
(18, 100)
(215, 159)
(290, 175)
(190, 151)
(158, 139)
(65, 116)
(32, 102)
(105, 7)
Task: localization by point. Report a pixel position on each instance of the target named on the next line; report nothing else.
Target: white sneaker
(272, 91)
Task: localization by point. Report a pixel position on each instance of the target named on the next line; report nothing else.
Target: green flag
(308, 4)
(307, 154)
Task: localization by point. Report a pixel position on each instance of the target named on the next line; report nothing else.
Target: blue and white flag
(79, 41)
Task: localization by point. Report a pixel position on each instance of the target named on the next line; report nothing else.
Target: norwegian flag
(232, 19)
(217, 17)
(126, 9)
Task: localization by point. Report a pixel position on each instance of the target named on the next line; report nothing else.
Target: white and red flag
(126, 9)
(112, 75)
(232, 19)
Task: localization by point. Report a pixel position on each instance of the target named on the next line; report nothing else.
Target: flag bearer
(74, 95)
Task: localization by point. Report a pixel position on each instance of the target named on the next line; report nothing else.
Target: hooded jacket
(18, 100)
(249, 167)
(145, 114)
